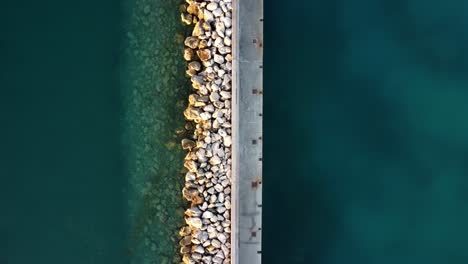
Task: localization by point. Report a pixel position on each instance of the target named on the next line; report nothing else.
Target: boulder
(186, 18)
(189, 55)
(188, 143)
(204, 54)
(194, 222)
(191, 42)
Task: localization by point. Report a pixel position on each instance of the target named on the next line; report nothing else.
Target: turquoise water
(92, 95)
(369, 163)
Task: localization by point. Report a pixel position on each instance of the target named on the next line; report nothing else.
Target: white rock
(217, 260)
(213, 199)
(221, 197)
(221, 210)
(227, 21)
(212, 6)
(218, 59)
(205, 116)
(218, 187)
(222, 238)
(227, 41)
(207, 214)
(215, 160)
(214, 97)
(218, 42)
(225, 183)
(208, 16)
(216, 243)
(200, 249)
(209, 108)
(217, 12)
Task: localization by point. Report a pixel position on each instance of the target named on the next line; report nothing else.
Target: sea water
(92, 95)
(366, 132)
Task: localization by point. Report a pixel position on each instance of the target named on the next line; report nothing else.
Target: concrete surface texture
(247, 122)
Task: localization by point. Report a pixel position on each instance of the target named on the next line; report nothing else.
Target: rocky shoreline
(206, 237)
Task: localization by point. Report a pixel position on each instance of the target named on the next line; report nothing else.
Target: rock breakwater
(206, 236)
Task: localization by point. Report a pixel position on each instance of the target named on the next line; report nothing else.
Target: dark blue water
(366, 136)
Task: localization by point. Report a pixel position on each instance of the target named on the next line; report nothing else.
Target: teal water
(369, 163)
(91, 102)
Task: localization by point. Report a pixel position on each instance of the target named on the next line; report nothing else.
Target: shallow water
(369, 162)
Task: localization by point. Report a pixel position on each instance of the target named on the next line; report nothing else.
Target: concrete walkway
(247, 88)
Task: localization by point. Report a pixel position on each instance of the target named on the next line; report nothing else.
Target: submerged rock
(188, 143)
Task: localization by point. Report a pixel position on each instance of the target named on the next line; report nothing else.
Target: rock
(227, 141)
(221, 197)
(194, 65)
(192, 113)
(225, 183)
(214, 97)
(204, 54)
(205, 116)
(197, 81)
(185, 249)
(194, 222)
(208, 16)
(215, 160)
(221, 73)
(189, 193)
(227, 41)
(189, 55)
(218, 43)
(196, 256)
(219, 188)
(209, 108)
(190, 165)
(203, 44)
(217, 260)
(191, 42)
(188, 143)
(224, 50)
(198, 30)
(221, 209)
(207, 214)
(206, 259)
(227, 21)
(218, 58)
(225, 94)
(193, 8)
(212, 6)
(217, 12)
(207, 27)
(193, 211)
(199, 249)
(220, 28)
(187, 240)
(185, 231)
(227, 204)
(215, 243)
(186, 259)
(186, 18)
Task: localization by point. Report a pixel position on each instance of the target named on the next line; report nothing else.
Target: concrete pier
(247, 116)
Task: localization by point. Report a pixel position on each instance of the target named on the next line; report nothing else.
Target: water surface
(365, 132)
